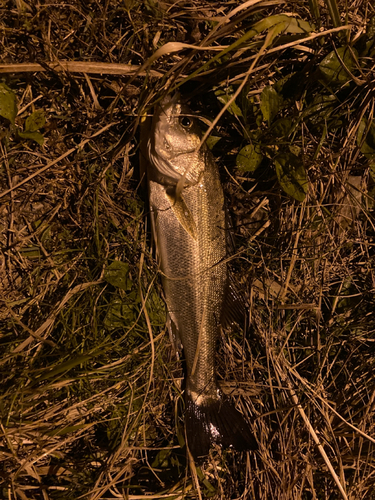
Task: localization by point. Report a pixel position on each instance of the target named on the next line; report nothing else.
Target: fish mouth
(169, 108)
(172, 107)
(170, 100)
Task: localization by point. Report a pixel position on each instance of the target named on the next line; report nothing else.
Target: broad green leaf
(294, 149)
(162, 459)
(282, 127)
(8, 103)
(320, 110)
(292, 175)
(277, 30)
(156, 308)
(35, 121)
(271, 21)
(129, 4)
(270, 103)
(31, 252)
(366, 143)
(345, 295)
(249, 158)
(289, 25)
(212, 140)
(331, 68)
(224, 97)
(298, 26)
(117, 274)
(211, 489)
(121, 313)
(33, 136)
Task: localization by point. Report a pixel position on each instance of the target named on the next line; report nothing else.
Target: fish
(190, 231)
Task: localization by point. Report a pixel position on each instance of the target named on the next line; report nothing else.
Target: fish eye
(186, 122)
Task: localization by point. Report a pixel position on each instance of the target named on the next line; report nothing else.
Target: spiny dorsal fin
(183, 214)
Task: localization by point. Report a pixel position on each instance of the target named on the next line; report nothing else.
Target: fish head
(174, 145)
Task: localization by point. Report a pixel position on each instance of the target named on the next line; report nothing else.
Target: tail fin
(216, 421)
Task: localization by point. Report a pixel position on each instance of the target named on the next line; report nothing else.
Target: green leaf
(294, 149)
(366, 143)
(320, 109)
(334, 12)
(35, 121)
(371, 193)
(372, 169)
(68, 429)
(212, 140)
(117, 274)
(271, 21)
(156, 308)
(65, 367)
(298, 26)
(314, 8)
(121, 313)
(292, 175)
(33, 136)
(224, 97)
(8, 103)
(331, 68)
(270, 103)
(277, 30)
(282, 127)
(161, 459)
(249, 158)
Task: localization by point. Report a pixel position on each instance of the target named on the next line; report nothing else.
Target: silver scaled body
(188, 218)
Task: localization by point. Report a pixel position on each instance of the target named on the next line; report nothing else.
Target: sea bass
(189, 225)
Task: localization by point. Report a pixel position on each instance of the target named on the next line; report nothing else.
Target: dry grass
(90, 395)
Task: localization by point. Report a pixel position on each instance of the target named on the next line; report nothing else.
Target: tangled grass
(91, 389)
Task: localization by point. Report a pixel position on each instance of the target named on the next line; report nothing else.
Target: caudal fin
(216, 421)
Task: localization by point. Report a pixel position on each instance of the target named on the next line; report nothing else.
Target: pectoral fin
(183, 214)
